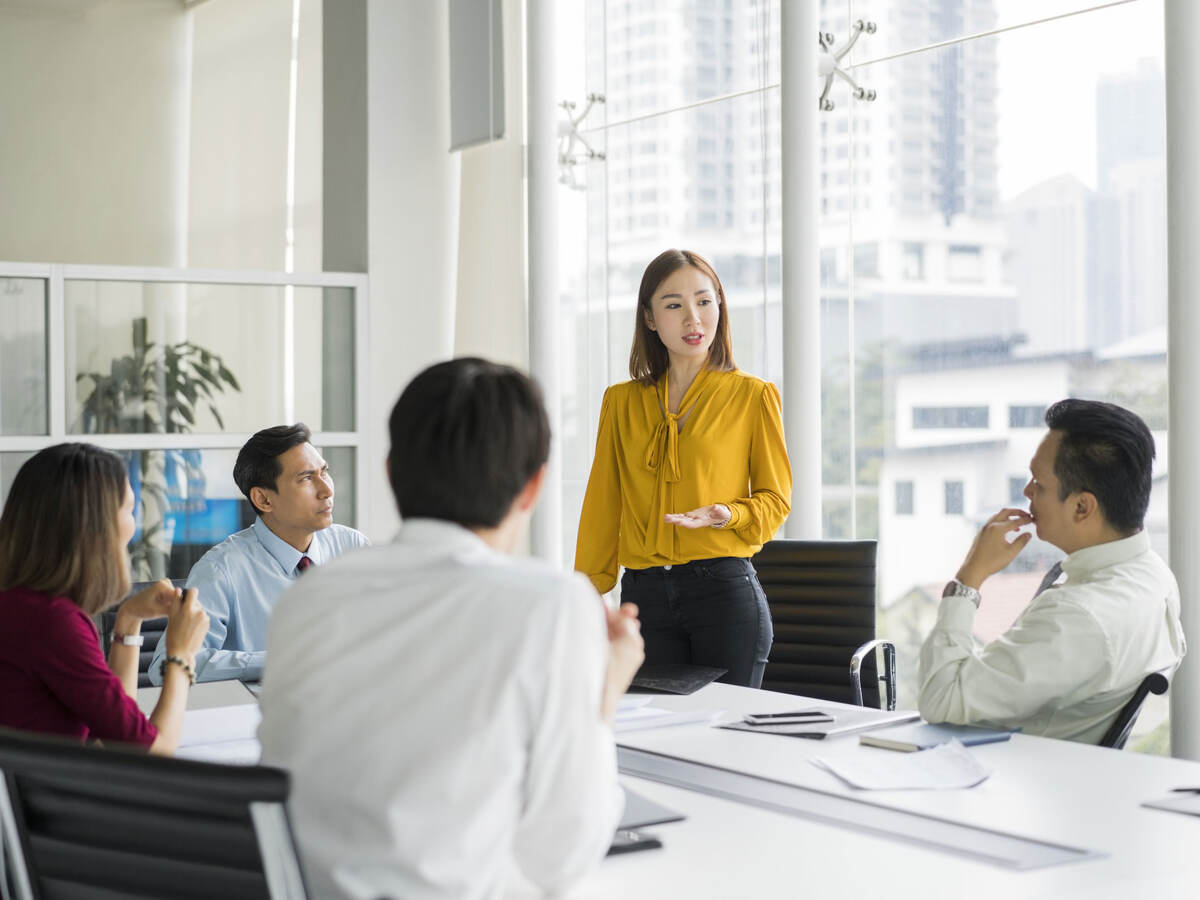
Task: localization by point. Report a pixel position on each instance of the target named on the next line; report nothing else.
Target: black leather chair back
(822, 600)
(152, 631)
(82, 823)
(1118, 731)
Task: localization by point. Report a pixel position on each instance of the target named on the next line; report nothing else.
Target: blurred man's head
(468, 439)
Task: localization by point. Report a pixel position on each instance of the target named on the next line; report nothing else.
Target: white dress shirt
(1073, 657)
(237, 583)
(438, 705)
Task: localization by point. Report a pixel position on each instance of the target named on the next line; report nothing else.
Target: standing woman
(63, 532)
(690, 477)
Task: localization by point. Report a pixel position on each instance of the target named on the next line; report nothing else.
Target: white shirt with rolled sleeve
(1071, 660)
(438, 705)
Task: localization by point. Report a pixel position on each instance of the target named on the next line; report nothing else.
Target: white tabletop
(1051, 790)
(206, 695)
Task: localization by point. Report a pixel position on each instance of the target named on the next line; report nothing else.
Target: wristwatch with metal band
(956, 588)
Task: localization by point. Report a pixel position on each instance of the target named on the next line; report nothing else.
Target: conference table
(1074, 796)
(1056, 791)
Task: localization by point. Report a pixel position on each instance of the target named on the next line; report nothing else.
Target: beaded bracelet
(182, 663)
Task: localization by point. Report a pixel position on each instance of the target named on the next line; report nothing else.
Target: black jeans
(709, 612)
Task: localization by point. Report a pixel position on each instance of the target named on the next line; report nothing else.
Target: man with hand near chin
(1075, 656)
(290, 487)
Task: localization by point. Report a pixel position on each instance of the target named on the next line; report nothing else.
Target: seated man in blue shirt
(289, 485)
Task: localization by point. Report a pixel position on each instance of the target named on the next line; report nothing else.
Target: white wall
(491, 318)
(413, 190)
(93, 157)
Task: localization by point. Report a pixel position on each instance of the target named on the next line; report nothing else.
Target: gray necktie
(1051, 577)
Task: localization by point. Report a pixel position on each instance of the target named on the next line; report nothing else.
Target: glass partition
(24, 406)
(155, 357)
(173, 370)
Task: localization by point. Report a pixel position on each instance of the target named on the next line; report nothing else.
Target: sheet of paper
(220, 724)
(235, 753)
(632, 701)
(638, 718)
(944, 767)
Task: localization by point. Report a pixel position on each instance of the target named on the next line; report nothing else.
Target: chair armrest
(889, 670)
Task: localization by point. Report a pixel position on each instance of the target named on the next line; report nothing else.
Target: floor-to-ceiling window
(992, 239)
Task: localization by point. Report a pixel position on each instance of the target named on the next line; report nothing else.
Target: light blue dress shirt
(238, 582)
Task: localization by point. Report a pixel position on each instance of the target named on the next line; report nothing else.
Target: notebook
(639, 812)
(674, 678)
(922, 736)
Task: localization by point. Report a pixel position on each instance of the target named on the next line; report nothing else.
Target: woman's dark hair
(258, 462)
(1107, 451)
(59, 532)
(648, 358)
(467, 435)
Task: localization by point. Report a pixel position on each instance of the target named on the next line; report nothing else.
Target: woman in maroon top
(63, 534)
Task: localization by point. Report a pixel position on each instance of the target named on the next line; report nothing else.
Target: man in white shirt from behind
(1075, 656)
(445, 708)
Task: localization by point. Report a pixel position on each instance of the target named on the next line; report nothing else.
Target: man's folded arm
(1054, 653)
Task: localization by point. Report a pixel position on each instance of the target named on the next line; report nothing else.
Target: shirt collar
(284, 553)
(441, 535)
(1100, 556)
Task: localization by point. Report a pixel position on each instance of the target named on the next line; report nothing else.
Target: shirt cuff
(957, 614)
(736, 516)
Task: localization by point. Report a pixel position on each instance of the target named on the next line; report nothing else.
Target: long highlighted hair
(59, 532)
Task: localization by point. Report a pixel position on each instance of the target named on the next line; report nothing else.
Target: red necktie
(303, 565)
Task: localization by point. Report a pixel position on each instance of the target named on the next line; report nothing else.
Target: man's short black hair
(258, 462)
(467, 435)
(1107, 451)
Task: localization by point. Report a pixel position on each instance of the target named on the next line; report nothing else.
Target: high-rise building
(1130, 117)
(916, 172)
(1050, 248)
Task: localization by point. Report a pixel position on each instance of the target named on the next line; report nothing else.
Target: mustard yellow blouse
(725, 445)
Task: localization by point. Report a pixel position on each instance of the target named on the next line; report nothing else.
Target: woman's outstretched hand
(714, 516)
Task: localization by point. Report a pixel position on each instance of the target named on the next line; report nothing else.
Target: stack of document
(635, 714)
(944, 767)
(224, 734)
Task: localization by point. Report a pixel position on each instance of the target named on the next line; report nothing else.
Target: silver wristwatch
(956, 588)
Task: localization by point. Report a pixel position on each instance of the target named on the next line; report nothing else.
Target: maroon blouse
(53, 676)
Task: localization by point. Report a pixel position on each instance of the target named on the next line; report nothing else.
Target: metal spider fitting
(570, 141)
(829, 64)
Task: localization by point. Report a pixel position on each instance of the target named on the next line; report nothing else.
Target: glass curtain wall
(689, 133)
(993, 239)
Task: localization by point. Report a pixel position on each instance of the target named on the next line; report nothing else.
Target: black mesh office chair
(152, 631)
(1118, 732)
(82, 823)
(822, 600)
